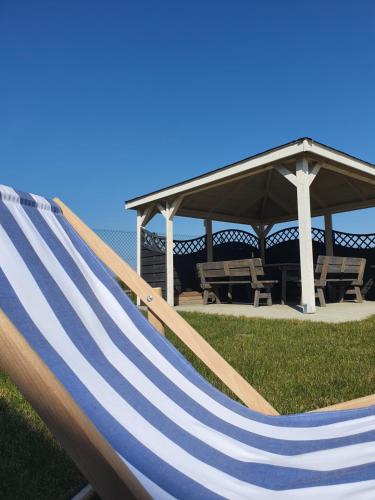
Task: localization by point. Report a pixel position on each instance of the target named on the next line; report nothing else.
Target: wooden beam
(281, 203)
(317, 198)
(202, 214)
(287, 174)
(209, 243)
(266, 193)
(346, 207)
(354, 173)
(261, 230)
(328, 234)
(146, 214)
(268, 228)
(200, 347)
(252, 201)
(222, 201)
(314, 172)
(355, 189)
(257, 229)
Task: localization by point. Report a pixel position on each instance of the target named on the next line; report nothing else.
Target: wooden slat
(348, 405)
(340, 269)
(240, 271)
(97, 460)
(229, 282)
(233, 380)
(154, 320)
(211, 265)
(215, 273)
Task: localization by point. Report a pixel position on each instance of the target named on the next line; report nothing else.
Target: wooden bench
(214, 275)
(343, 273)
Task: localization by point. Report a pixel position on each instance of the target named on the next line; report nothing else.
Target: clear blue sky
(101, 101)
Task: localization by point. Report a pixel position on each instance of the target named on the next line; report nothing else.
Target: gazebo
(295, 181)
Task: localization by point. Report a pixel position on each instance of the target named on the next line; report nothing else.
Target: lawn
(297, 366)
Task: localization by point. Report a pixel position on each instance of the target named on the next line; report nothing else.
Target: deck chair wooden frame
(106, 472)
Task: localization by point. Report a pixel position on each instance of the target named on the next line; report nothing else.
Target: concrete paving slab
(333, 313)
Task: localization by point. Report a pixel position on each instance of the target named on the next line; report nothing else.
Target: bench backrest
(230, 269)
(353, 266)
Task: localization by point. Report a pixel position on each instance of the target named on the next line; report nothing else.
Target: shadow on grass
(32, 464)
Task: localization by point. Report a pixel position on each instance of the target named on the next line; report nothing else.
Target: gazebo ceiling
(268, 197)
(254, 191)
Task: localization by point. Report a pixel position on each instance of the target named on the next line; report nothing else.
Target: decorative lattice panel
(288, 234)
(318, 235)
(235, 236)
(186, 247)
(350, 240)
(291, 234)
(153, 241)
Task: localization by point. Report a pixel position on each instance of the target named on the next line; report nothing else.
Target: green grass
(32, 464)
(297, 366)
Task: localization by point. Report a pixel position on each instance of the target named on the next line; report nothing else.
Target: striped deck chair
(133, 414)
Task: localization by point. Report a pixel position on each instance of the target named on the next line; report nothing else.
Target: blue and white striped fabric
(180, 436)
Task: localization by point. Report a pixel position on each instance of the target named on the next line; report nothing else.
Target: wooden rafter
(281, 203)
(266, 193)
(355, 189)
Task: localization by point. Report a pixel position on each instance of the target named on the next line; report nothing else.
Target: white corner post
(209, 244)
(328, 233)
(169, 211)
(305, 241)
(262, 230)
(143, 217)
(302, 180)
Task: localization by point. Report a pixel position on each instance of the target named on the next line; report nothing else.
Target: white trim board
(245, 167)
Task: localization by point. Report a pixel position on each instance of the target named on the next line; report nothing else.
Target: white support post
(139, 248)
(169, 212)
(328, 233)
(169, 262)
(302, 180)
(209, 244)
(305, 241)
(143, 217)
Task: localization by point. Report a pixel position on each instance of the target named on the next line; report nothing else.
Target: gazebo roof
(253, 191)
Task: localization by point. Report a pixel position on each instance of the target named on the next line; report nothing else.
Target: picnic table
(285, 268)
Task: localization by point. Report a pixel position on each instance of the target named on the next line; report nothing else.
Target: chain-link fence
(125, 242)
